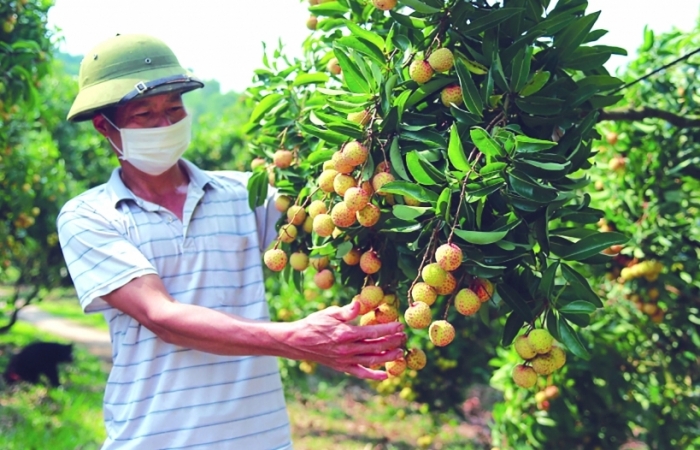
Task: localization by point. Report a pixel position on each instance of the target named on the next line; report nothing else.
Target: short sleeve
(99, 257)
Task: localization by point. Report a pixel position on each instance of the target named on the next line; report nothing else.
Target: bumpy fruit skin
(282, 203)
(379, 180)
(425, 293)
(368, 319)
(483, 288)
(325, 180)
(433, 275)
(416, 359)
(341, 164)
(282, 158)
(342, 183)
(523, 347)
(451, 94)
(368, 216)
(371, 296)
(296, 215)
(342, 216)
(316, 207)
(323, 225)
(396, 367)
(275, 259)
(355, 153)
(540, 340)
(544, 364)
(558, 356)
(384, 5)
(288, 233)
(319, 262)
(333, 66)
(524, 376)
(441, 333)
(420, 71)
(352, 258)
(390, 299)
(386, 313)
(363, 308)
(327, 165)
(299, 261)
(448, 256)
(448, 286)
(370, 263)
(308, 225)
(361, 117)
(441, 60)
(356, 198)
(467, 302)
(324, 279)
(418, 315)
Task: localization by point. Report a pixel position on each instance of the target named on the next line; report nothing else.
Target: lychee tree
(448, 149)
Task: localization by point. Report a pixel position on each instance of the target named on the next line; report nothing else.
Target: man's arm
(325, 337)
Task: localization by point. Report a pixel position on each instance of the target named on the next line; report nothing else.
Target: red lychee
(370, 262)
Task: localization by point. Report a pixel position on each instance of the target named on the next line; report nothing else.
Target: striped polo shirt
(161, 395)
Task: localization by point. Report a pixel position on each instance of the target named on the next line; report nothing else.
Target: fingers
(363, 372)
(374, 346)
(346, 313)
(378, 331)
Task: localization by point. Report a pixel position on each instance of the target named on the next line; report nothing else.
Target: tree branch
(645, 112)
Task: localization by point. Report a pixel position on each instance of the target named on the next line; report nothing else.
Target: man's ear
(100, 124)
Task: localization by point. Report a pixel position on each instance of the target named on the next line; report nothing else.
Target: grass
(63, 303)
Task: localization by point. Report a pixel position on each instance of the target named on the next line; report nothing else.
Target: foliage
(497, 171)
(642, 378)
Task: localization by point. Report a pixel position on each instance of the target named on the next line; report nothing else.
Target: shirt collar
(118, 191)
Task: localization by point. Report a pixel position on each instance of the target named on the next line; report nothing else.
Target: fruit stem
(422, 263)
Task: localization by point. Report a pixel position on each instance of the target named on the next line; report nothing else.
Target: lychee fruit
(382, 167)
(418, 315)
(296, 215)
(275, 259)
(327, 165)
(483, 288)
(361, 117)
(370, 262)
(410, 201)
(441, 60)
(379, 180)
(299, 261)
(282, 203)
(544, 364)
(324, 279)
(433, 274)
(451, 94)
(386, 313)
(325, 180)
(371, 296)
(323, 225)
(559, 356)
(416, 359)
(342, 216)
(364, 309)
(420, 71)
(308, 225)
(333, 66)
(384, 5)
(282, 158)
(441, 333)
(524, 376)
(312, 23)
(288, 233)
(448, 256)
(316, 207)
(356, 198)
(257, 162)
(396, 367)
(423, 292)
(467, 302)
(368, 216)
(341, 164)
(342, 183)
(367, 186)
(390, 299)
(352, 258)
(523, 348)
(355, 153)
(448, 286)
(368, 319)
(540, 340)
(319, 262)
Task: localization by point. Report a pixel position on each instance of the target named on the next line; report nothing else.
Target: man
(170, 254)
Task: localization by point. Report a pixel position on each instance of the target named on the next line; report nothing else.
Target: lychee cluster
(647, 269)
(542, 356)
(441, 60)
(648, 304)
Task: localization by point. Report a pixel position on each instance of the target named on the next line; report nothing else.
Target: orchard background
(573, 193)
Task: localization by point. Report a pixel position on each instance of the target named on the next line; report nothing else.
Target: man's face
(150, 112)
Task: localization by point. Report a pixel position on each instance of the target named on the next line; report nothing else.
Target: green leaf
(547, 281)
(513, 325)
(443, 204)
(480, 237)
(319, 156)
(535, 84)
(455, 151)
(427, 89)
(589, 246)
(470, 93)
(420, 6)
(520, 69)
(363, 47)
(409, 212)
(343, 249)
(419, 170)
(602, 82)
(648, 40)
(411, 189)
(328, 9)
(490, 20)
(574, 34)
(328, 136)
(265, 104)
(526, 144)
(540, 106)
(352, 75)
(542, 169)
(367, 35)
(397, 161)
(577, 307)
(493, 167)
(513, 299)
(257, 189)
(310, 78)
(571, 340)
(530, 189)
(400, 226)
(485, 143)
(580, 285)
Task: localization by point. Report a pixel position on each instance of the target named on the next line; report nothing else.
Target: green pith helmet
(124, 68)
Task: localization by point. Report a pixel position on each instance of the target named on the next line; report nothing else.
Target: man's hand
(327, 338)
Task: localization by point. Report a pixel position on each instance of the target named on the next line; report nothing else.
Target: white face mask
(154, 150)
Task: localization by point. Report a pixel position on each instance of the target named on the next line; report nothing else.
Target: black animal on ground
(36, 359)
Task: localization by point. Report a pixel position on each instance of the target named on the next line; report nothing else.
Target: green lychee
(316, 207)
(467, 302)
(379, 180)
(540, 340)
(282, 203)
(288, 233)
(418, 315)
(523, 347)
(416, 359)
(448, 286)
(544, 364)
(423, 292)
(299, 261)
(342, 165)
(296, 215)
(396, 367)
(524, 376)
(326, 179)
(275, 259)
(441, 333)
(448, 256)
(433, 274)
(323, 225)
(559, 356)
(342, 183)
(441, 60)
(420, 71)
(361, 117)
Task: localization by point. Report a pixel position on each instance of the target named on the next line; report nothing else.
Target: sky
(222, 39)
